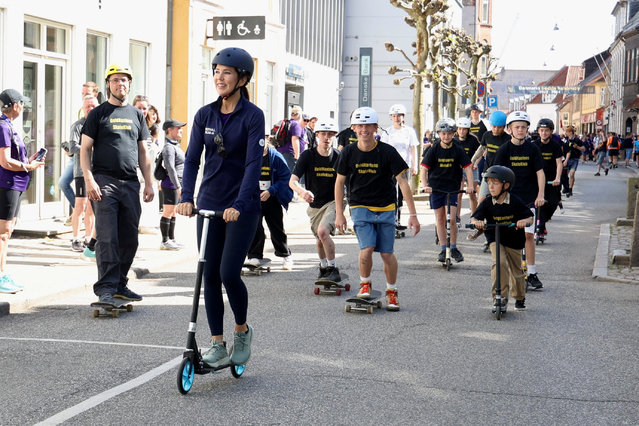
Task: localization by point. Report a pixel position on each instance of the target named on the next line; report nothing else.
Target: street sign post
(237, 28)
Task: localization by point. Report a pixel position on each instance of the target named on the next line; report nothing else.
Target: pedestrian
(275, 194)
(296, 139)
(81, 205)
(442, 168)
(404, 139)
(369, 167)
(230, 131)
(173, 160)
(627, 146)
(574, 149)
(318, 167)
(14, 177)
(552, 155)
(600, 152)
(155, 145)
(310, 131)
(113, 147)
(524, 159)
(503, 207)
(636, 147)
(477, 128)
(614, 145)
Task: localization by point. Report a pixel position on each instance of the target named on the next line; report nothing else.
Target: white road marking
(106, 395)
(90, 342)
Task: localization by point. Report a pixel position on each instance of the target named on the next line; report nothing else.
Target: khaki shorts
(324, 215)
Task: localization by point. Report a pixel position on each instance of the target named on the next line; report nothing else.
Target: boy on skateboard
(502, 207)
(369, 167)
(318, 165)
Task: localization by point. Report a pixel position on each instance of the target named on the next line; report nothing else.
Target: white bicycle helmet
(325, 126)
(364, 115)
(446, 125)
(518, 116)
(463, 122)
(397, 109)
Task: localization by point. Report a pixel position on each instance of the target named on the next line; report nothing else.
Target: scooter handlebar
(207, 213)
(493, 225)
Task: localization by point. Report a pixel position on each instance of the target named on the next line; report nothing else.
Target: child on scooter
(502, 207)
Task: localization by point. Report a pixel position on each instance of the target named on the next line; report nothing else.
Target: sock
(332, 263)
(452, 246)
(165, 222)
(323, 263)
(91, 245)
(531, 269)
(391, 286)
(172, 229)
(444, 247)
(364, 279)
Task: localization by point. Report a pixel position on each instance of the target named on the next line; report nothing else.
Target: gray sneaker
(241, 351)
(106, 299)
(216, 356)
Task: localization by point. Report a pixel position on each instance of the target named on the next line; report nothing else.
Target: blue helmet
(498, 119)
(237, 58)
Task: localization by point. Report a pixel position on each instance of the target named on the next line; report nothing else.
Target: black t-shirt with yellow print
(525, 161)
(320, 175)
(503, 213)
(445, 166)
(492, 144)
(369, 175)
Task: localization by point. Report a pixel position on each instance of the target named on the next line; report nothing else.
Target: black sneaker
(127, 294)
(520, 305)
(606, 172)
(332, 274)
(534, 282)
(456, 254)
(106, 299)
(322, 272)
(504, 303)
(442, 256)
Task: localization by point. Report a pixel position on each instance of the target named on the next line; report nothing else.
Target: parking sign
(492, 101)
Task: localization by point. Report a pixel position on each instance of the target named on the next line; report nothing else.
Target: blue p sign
(492, 101)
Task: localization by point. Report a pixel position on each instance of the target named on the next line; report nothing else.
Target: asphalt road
(443, 359)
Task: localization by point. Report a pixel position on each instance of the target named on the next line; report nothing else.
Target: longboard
(332, 287)
(249, 269)
(106, 310)
(366, 305)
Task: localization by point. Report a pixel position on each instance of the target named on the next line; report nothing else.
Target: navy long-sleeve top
(232, 181)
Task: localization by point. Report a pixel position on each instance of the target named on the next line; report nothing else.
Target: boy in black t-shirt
(524, 159)
(318, 166)
(502, 207)
(470, 143)
(369, 167)
(575, 148)
(551, 154)
(441, 173)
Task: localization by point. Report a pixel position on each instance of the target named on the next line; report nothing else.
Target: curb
(600, 269)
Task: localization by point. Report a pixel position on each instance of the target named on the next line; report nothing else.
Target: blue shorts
(573, 163)
(438, 200)
(374, 229)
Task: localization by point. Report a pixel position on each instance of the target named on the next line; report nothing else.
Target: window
(96, 58)
(32, 35)
(137, 62)
(269, 101)
(485, 12)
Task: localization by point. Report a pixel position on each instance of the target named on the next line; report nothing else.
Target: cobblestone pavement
(620, 239)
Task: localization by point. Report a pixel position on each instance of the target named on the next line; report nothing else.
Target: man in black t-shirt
(551, 154)
(574, 147)
(318, 167)
(442, 168)
(369, 167)
(524, 159)
(113, 146)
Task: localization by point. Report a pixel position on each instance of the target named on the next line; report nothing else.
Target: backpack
(279, 133)
(159, 172)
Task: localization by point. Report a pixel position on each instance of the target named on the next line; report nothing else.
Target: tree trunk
(452, 103)
(437, 113)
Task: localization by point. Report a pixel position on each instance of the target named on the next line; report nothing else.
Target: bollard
(634, 246)
(633, 189)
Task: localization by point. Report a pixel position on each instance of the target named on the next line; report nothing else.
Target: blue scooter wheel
(185, 376)
(238, 370)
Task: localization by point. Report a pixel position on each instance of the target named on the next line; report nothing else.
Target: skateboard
(104, 310)
(359, 304)
(248, 269)
(333, 287)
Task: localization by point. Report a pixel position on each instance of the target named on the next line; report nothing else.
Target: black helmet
(237, 58)
(503, 173)
(546, 122)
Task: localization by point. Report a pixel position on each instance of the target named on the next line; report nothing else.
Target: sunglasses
(219, 141)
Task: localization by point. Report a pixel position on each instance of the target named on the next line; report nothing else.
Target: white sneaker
(253, 261)
(287, 263)
(180, 245)
(169, 245)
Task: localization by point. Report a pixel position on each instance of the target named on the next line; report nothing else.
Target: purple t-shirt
(294, 129)
(10, 179)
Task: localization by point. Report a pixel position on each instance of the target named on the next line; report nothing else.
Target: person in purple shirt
(296, 143)
(14, 177)
(230, 132)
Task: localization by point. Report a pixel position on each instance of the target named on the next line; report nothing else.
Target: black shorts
(80, 190)
(170, 196)
(613, 153)
(9, 203)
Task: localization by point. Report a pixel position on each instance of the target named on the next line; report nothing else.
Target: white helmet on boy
(463, 122)
(397, 109)
(364, 115)
(325, 126)
(518, 116)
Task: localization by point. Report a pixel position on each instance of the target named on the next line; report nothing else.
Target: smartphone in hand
(41, 154)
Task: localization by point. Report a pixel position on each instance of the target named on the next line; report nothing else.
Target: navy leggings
(226, 248)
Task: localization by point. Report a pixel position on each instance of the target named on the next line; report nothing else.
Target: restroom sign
(236, 28)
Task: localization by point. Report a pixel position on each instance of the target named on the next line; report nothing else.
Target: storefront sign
(558, 90)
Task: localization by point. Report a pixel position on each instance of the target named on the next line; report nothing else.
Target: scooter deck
(107, 310)
(366, 305)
